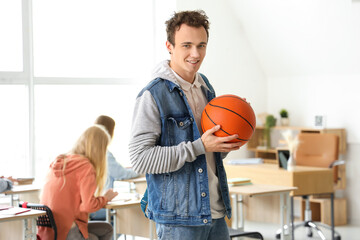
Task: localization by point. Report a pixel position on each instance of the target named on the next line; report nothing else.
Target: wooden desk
(20, 189)
(29, 218)
(308, 180)
(129, 219)
(260, 189)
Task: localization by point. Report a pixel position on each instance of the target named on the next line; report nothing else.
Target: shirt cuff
(198, 147)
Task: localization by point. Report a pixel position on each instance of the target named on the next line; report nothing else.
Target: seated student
(73, 188)
(6, 183)
(115, 170)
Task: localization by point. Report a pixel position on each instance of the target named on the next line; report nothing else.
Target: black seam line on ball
(234, 113)
(245, 140)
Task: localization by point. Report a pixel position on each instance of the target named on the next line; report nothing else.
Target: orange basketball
(233, 114)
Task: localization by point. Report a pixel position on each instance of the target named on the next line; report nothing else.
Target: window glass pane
(63, 112)
(11, 36)
(93, 38)
(14, 134)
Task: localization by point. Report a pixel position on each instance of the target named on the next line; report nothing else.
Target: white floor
(348, 232)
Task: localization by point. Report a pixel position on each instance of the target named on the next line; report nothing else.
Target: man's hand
(213, 143)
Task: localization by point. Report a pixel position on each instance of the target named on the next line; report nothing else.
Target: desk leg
(242, 217)
(113, 213)
(288, 214)
(237, 201)
(235, 223)
(29, 233)
(108, 217)
(292, 218)
(151, 229)
(287, 229)
(332, 217)
(109, 213)
(12, 200)
(282, 216)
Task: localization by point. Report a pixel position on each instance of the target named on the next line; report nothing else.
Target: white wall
(310, 53)
(333, 96)
(336, 97)
(300, 55)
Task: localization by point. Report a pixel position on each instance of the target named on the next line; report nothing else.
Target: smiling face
(189, 51)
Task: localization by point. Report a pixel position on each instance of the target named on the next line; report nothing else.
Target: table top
(259, 189)
(26, 215)
(308, 180)
(135, 180)
(22, 189)
(122, 203)
(274, 167)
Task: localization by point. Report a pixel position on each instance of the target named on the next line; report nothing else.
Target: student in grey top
(6, 183)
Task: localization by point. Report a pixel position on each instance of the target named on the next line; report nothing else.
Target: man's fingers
(229, 147)
(213, 143)
(214, 129)
(229, 138)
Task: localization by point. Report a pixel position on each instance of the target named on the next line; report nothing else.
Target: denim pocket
(168, 197)
(175, 191)
(165, 231)
(179, 129)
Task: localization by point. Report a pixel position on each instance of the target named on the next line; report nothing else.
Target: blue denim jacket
(181, 197)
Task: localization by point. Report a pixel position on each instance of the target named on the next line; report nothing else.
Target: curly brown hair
(196, 19)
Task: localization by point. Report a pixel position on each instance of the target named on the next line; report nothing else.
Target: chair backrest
(45, 220)
(317, 150)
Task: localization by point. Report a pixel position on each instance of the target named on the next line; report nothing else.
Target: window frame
(27, 78)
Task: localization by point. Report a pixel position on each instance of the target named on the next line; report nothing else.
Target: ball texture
(233, 114)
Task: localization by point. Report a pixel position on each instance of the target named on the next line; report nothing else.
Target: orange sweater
(73, 200)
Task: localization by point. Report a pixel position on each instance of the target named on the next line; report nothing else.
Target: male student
(188, 195)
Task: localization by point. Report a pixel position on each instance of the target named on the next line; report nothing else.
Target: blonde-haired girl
(73, 188)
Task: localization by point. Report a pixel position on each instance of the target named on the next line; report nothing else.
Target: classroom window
(63, 112)
(14, 133)
(94, 38)
(11, 59)
(87, 57)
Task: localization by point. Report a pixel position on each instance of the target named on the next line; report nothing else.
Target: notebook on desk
(14, 211)
(283, 157)
(244, 161)
(238, 181)
(4, 207)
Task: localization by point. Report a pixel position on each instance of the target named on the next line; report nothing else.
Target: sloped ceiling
(302, 37)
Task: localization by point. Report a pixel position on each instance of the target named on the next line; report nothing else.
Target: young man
(188, 195)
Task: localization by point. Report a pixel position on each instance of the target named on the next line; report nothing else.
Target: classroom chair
(45, 220)
(317, 150)
(239, 233)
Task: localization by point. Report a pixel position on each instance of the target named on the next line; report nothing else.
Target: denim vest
(181, 197)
